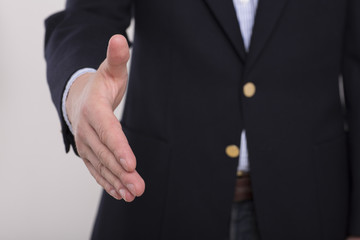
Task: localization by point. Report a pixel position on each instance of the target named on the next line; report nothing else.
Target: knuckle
(101, 132)
(117, 184)
(100, 168)
(106, 130)
(102, 155)
(107, 187)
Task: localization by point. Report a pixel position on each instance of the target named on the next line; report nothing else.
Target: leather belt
(243, 190)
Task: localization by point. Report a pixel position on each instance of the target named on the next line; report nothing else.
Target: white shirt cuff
(67, 89)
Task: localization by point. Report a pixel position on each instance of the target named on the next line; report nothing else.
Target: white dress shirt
(245, 12)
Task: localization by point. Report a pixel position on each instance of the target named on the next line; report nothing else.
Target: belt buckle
(243, 191)
(240, 174)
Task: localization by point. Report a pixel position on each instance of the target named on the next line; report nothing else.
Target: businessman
(221, 92)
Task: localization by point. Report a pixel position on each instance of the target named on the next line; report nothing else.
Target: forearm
(77, 38)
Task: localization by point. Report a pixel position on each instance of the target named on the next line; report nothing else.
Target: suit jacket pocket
(142, 218)
(152, 156)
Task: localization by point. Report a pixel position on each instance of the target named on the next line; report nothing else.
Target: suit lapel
(224, 12)
(267, 15)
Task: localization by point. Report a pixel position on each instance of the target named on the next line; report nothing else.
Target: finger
(110, 133)
(98, 171)
(105, 173)
(132, 180)
(116, 58)
(101, 181)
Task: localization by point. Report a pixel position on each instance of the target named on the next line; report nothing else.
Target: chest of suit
(186, 103)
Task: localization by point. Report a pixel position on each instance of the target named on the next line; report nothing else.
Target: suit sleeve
(351, 78)
(77, 38)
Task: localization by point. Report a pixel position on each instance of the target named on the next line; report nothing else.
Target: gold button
(232, 151)
(249, 89)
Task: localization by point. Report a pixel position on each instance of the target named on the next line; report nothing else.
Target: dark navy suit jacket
(185, 105)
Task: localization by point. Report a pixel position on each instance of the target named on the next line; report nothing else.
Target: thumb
(116, 57)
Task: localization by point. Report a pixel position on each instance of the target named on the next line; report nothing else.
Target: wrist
(74, 96)
(74, 78)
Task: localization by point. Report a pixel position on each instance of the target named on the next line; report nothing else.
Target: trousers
(243, 224)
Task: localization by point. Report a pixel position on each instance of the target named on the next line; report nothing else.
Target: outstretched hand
(99, 138)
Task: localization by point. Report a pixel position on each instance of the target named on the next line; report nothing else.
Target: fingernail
(113, 194)
(131, 188)
(122, 193)
(124, 163)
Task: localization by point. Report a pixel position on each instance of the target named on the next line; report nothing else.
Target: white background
(44, 193)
